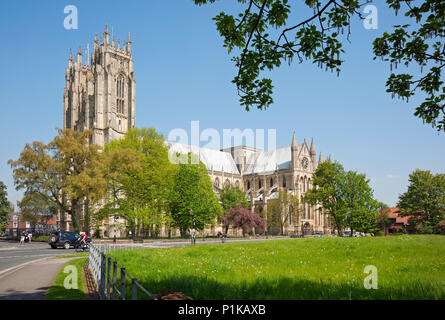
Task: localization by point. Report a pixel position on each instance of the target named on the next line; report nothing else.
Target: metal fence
(113, 282)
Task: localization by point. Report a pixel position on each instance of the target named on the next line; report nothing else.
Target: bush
(40, 239)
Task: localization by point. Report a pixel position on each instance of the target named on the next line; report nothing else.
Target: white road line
(8, 271)
(30, 256)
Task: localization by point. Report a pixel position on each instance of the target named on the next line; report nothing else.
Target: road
(12, 254)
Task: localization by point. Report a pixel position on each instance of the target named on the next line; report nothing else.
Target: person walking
(22, 238)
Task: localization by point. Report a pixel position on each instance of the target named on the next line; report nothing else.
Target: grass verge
(58, 291)
(409, 267)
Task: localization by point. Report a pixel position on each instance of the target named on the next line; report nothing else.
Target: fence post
(108, 277)
(102, 276)
(134, 290)
(114, 280)
(122, 283)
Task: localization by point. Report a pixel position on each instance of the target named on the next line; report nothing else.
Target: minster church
(100, 95)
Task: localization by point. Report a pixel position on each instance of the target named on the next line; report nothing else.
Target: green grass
(73, 255)
(409, 267)
(58, 292)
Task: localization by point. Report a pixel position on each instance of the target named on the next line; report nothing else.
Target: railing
(112, 280)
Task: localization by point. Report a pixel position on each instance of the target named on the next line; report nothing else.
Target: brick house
(16, 226)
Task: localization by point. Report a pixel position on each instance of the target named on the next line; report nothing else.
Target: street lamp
(192, 227)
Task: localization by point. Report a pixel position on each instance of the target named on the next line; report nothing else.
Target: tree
(383, 220)
(361, 207)
(345, 196)
(423, 45)
(5, 207)
(231, 196)
(425, 198)
(193, 190)
(265, 34)
(240, 217)
(65, 174)
(327, 192)
(283, 210)
(139, 177)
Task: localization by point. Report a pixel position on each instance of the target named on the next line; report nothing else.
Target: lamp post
(192, 227)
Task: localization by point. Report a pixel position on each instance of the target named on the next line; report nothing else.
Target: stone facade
(100, 96)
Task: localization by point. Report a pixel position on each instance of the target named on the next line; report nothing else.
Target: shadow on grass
(60, 293)
(286, 288)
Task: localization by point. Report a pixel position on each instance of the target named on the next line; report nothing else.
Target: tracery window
(120, 94)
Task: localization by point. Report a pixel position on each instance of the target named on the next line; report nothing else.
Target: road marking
(20, 266)
(30, 256)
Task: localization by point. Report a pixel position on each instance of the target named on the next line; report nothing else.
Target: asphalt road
(12, 254)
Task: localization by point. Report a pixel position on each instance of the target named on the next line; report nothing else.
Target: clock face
(304, 163)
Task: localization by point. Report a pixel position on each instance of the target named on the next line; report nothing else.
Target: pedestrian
(22, 238)
(29, 237)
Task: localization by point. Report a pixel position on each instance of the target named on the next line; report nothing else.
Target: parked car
(318, 234)
(63, 239)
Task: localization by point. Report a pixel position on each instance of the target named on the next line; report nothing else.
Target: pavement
(27, 271)
(31, 280)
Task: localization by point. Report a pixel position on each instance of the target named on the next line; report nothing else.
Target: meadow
(409, 267)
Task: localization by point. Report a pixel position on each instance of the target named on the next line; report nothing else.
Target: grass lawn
(409, 267)
(58, 292)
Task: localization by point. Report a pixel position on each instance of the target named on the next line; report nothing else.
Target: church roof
(213, 159)
(269, 161)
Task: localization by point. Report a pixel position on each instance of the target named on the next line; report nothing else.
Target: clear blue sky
(184, 74)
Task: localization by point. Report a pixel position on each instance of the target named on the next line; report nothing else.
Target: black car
(63, 239)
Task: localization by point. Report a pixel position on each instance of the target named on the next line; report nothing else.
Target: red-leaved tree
(240, 217)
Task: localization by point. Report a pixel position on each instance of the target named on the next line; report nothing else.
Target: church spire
(294, 145)
(320, 159)
(129, 43)
(313, 152)
(79, 56)
(106, 35)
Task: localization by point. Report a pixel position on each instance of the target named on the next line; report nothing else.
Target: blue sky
(183, 74)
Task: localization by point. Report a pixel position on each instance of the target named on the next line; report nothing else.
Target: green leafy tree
(425, 199)
(65, 174)
(361, 207)
(266, 33)
(423, 45)
(5, 207)
(383, 220)
(282, 210)
(193, 190)
(328, 180)
(231, 196)
(140, 178)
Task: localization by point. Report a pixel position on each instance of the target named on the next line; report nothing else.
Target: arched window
(248, 185)
(259, 184)
(284, 182)
(271, 182)
(120, 94)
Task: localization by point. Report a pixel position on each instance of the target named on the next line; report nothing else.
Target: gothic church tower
(101, 97)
